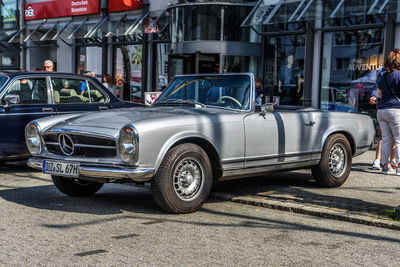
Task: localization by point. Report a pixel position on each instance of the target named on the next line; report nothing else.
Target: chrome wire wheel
(337, 160)
(188, 179)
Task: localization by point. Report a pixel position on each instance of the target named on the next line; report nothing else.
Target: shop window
(233, 17)
(284, 69)
(128, 71)
(202, 23)
(347, 83)
(242, 64)
(90, 59)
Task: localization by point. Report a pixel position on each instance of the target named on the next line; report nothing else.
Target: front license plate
(61, 168)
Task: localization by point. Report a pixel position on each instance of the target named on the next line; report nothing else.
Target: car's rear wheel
(183, 181)
(335, 164)
(76, 188)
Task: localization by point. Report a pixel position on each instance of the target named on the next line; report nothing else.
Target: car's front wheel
(335, 164)
(76, 188)
(183, 181)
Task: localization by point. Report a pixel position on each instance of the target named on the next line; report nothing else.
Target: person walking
(388, 114)
(376, 164)
(108, 83)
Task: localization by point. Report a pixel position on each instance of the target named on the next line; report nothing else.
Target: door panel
(280, 137)
(262, 140)
(34, 104)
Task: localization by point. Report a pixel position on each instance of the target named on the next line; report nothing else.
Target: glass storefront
(242, 64)
(203, 22)
(90, 59)
(128, 71)
(284, 68)
(350, 65)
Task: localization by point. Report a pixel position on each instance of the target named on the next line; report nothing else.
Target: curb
(308, 210)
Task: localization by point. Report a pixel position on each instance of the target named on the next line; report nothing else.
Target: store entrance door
(195, 64)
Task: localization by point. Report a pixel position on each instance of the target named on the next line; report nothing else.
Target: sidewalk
(365, 198)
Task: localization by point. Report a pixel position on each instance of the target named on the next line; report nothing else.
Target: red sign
(121, 5)
(42, 9)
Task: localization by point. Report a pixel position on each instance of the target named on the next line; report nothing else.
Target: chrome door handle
(47, 109)
(103, 108)
(310, 123)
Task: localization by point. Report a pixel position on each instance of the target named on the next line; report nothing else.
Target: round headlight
(127, 143)
(32, 138)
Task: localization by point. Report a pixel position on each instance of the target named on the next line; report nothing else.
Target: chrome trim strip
(84, 145)
(256, 171)
(105, 172)
(256, 158)
(83, 133)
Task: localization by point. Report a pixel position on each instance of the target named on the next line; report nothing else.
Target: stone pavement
(365, 198)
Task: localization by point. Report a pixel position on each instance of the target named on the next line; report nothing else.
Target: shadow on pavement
(109, 200)
(299, 188)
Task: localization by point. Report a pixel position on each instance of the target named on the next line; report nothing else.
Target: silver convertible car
(201, 129)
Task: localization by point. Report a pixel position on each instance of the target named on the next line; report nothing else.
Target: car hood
(115, 119)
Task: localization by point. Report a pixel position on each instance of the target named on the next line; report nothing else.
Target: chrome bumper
(107, 172)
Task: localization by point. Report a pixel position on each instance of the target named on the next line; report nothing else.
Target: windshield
(229, 91)
(3, 80)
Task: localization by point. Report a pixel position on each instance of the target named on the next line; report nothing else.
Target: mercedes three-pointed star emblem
(66, 144)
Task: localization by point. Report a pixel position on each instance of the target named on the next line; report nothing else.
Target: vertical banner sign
(8, 9)
(121, 5)
(41, 9)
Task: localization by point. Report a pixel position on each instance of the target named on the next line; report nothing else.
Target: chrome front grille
(80, 145)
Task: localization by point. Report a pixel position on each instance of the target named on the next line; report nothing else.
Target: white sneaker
(376, 165)
(389, 171)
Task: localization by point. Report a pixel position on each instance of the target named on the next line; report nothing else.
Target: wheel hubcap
(188, 179)
(337, 160)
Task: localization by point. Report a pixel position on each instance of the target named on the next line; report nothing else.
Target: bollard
(397, 214)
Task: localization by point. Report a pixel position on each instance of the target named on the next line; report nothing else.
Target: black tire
(335, 164)
(183, 181)
(74, 188)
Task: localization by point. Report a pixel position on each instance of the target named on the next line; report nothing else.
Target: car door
(279, 137)
(77, 95)
(34, 102)
(262, 139)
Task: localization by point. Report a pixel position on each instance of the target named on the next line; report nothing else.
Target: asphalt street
(121, 225)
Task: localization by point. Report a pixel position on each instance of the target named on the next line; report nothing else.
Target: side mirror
(267, 108)
(12, 99)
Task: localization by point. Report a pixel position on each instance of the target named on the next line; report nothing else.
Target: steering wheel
(231, 99)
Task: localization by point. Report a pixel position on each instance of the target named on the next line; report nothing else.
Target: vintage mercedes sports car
(25, 96)
(202, 128)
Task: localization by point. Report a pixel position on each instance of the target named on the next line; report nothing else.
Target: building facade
(319, 53)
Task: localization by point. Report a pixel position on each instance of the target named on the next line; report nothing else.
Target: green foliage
(137, 57)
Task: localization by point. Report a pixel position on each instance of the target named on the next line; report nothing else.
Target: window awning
(267, 12)
(128, 26)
